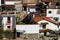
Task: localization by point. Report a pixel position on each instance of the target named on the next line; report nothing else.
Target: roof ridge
(45, 18)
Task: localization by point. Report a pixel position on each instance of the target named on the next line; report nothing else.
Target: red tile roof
(52, 6)
(46, 0)
(12, 0)
(46, 30)
(5, 12)
(39, 18)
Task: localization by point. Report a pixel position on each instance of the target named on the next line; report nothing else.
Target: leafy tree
(18, 21)
(14, 33)
(8, 34)
(1, 32)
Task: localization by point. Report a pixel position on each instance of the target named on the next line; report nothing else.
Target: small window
(18, 34)
(8, 26)
(44, 26)
(56, 18)
(2, 1)
(50, 12)
(8, 20)
(25, 8)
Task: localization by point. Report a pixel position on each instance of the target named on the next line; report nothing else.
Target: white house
(8, 22)
(29, 7)
(46, 23)
(29, 29)
(30, 10)
(0, 2)
(54, 14)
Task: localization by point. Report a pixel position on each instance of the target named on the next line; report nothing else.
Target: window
(8, 9)
(25, 8)
(56, 18)
(2, 1)
(0, 9)
(8, 27)
(50, 12)
(47, 3)
(44, 26)
(3, 8)
(8, 20)
(58, 11)
(18, 34)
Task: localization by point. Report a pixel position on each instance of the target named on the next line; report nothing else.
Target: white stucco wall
(0, 2)
(4, 23)
(29, 29)
(53, 13)
(19, 7)
(49, 25)
(11, 2)
(31, 10)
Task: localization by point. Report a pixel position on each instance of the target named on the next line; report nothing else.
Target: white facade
(5, 24)
(49, 25)
(19, 7)
(11, 2)
(31, 10)
(0, 2)
(29, 29)
(54, 13)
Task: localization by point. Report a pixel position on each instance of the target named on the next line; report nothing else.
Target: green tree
(1, 32)
(8, 34)
(14, 33)
(18, 21)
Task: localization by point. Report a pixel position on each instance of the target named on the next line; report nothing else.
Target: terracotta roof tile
(5, 12)
(46, 30)
(39, 18)
(52, 6)
(46, 0)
